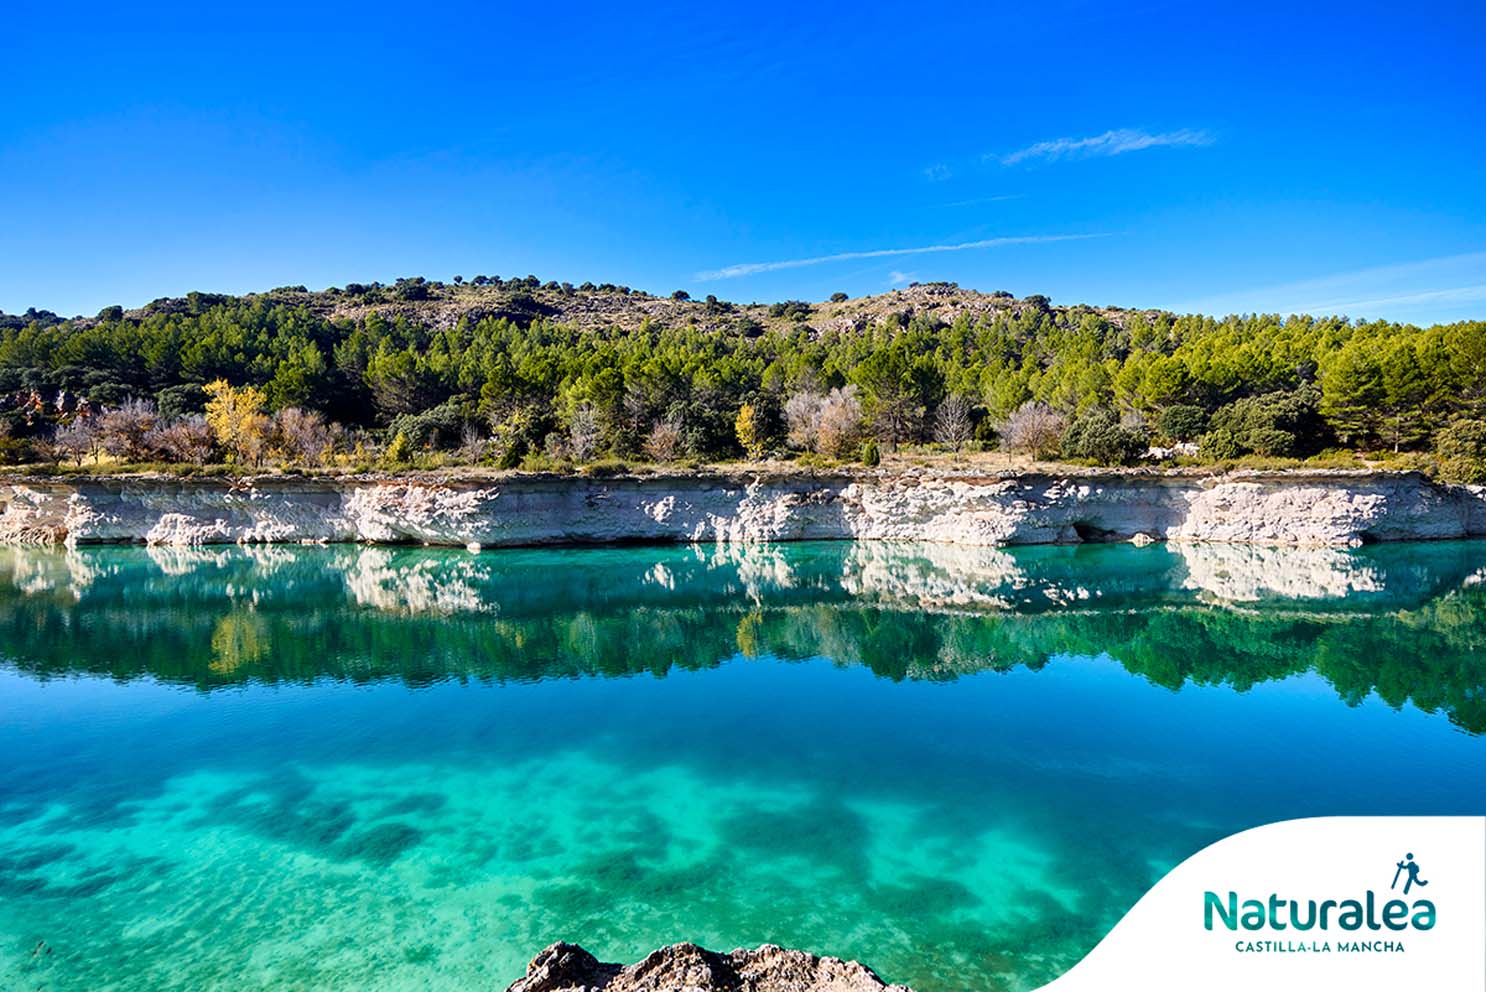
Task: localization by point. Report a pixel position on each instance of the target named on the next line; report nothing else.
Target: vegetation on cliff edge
(518, 373)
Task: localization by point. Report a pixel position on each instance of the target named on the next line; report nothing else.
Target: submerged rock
(565, 967)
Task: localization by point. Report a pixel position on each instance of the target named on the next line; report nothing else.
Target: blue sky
(1216, 157)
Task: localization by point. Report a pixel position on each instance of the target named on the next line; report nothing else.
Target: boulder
(564, 967)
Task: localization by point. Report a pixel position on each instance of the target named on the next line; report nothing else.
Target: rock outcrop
(1333, 509)
(688, 968)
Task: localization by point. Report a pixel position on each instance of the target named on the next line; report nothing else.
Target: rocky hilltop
(588, 307)
(1330, 509)
(688, 968)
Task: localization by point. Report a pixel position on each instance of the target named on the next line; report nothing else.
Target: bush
(15, 451)
(871, 455)
(1032, 429)
(797, 310)
(1220, 445)
(665, 440)
(1182, 422)
(303, 435)
(400, 451)
(441, 426)
(1282, 424)
(174, 402)
(1462, 449)
(605, 467)
(1273, 442)
(1099, 437)
(186, 440)
(839, 297)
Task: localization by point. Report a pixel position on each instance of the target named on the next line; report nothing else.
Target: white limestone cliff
(1335, 509)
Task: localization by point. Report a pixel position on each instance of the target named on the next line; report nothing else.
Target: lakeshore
(1299, 508)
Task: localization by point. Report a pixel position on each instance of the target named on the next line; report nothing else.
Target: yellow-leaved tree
(750, 430)
(236, 418)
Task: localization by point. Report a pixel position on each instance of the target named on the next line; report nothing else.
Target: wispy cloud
(938, 173)
(896, 278)
(1426, 289)
(1104, 145)
(755, 268)
(979, 200)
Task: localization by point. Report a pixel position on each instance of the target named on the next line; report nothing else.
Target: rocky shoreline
(564, 967)
(1336, 509)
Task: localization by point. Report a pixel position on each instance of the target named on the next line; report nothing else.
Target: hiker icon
(1407, 865)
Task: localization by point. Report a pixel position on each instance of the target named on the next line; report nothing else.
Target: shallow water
(405, 769)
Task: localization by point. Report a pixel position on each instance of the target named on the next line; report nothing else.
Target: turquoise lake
(355, 768)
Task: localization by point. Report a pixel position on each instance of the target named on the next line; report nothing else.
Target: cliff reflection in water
(1405, 621)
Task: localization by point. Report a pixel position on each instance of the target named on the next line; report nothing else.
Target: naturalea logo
(1369, 912)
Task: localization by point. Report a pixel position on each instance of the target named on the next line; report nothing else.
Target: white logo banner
(1367, 902)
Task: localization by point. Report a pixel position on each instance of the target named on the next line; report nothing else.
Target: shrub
(76, 440)
(304, 435)
(126, 427)
(186, 440)
(1099, 436)
(802, 419)
(400, 451)
(796, 310)
(441, 426)
(15, 451)
(839, 297)
(1220, 445)
(871, 456)
(473, 444)
(174, 402)
(1282, 423)
(1462, 448)
(664, 441)
(1272, 441)
(583, 433)
(516, 432)
(606, 467)
(1182, 422)
(840, 424)
(1032, 429)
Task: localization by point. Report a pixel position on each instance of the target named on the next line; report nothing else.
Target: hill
(441, 305)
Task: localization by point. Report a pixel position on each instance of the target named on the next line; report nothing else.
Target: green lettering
(1424, 914)
(1210, 902)
(1253, 914)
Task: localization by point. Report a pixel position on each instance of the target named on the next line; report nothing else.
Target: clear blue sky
(1221, 157)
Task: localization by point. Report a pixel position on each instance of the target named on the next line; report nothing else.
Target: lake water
(353, 768)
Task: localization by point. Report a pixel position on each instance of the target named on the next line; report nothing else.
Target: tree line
(250, 380)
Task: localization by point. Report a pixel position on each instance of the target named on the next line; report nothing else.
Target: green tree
(1352, 393)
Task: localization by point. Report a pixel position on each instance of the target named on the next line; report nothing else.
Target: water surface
(358, 767)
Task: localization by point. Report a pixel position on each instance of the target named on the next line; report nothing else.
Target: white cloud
(1109, 143)
(896, 278)
(1427, 287)
(755, 268)
(937, 173)
(979, 200)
